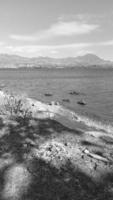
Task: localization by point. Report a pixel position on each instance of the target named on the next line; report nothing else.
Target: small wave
(59, 110)
(87, 121)
(90, 122)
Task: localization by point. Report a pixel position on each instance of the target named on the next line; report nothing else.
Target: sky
(56, 28)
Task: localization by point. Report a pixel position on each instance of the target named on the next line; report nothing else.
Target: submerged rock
(81, 102)
(48, 94)
(66, 100)
(74, 93)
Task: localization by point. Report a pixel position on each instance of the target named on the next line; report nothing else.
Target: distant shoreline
(61, 68)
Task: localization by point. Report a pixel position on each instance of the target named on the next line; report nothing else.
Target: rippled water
(95, 87)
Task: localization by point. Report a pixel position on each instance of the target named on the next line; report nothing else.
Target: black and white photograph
(56, 99)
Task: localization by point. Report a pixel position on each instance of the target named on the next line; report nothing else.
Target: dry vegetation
(14, 105)
(43, 159)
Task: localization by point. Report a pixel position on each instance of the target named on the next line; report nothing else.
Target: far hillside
(88, 60)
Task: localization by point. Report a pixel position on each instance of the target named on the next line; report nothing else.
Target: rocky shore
(45, 156)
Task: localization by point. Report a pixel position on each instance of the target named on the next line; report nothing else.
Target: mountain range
(88, 60)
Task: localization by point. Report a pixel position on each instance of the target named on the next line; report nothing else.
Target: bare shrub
(14, 105)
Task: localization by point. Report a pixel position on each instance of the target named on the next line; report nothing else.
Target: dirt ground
(53, 160)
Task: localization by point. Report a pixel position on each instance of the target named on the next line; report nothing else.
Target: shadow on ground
(22, 178)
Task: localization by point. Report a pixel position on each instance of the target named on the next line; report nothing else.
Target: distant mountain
(88, 60)
(91, 59)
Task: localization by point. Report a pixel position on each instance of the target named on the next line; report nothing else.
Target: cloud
(83, 52)
(58, 29)
(71, 28)
(2, 43)
(46, 50)
(107, 43)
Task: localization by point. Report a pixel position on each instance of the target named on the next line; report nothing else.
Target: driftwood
(95, 156)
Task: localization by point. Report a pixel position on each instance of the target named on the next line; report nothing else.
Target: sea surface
(94, 87)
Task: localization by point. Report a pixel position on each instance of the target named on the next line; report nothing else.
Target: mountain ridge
(87, 60)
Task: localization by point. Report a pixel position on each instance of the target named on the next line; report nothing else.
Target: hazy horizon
(51, 57)
(58, 29)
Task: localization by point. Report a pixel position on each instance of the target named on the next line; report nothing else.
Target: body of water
(95, 87)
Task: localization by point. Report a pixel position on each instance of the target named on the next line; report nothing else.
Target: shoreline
(47, 146)
(41, 110)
